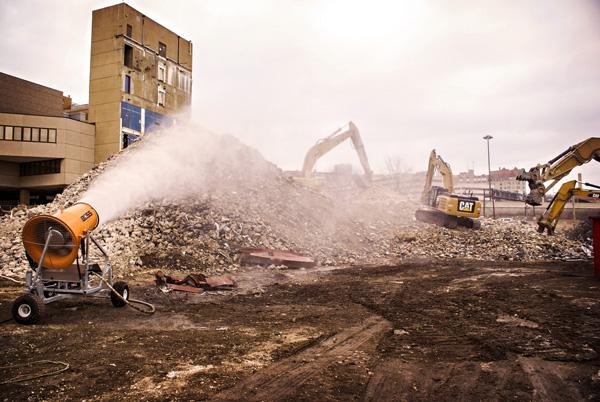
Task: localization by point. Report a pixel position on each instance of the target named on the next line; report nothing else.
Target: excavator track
(448, 221)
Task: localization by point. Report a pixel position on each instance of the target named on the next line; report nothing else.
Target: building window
(162, 71)
(184, 82)
(162, 49)
(127, 84)
(129, 139)
(8, 133)
(39, 167)
(129, 30)
(27, 134)
(162, 96)
(128, 56)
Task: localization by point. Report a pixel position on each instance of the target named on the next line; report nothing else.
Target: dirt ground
(417, 331)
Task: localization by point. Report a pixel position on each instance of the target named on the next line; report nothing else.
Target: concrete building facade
(506, 180)
(140, 77)
(41, 150)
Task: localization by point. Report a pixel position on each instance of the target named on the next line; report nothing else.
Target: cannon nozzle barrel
(67, 226)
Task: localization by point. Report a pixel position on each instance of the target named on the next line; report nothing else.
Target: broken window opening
(127, 84)
(162, 49)
(128, 56)
(129, 30)
(162, 71)
(162, 97)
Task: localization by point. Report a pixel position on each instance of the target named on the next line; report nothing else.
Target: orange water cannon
(61, 266)
(66, 230)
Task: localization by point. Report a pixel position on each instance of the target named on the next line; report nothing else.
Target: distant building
(141, 75)
(469, 181)
(503, 181)
(506, 180)
(42, 150)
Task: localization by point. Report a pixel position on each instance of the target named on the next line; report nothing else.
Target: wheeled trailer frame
(44, 285)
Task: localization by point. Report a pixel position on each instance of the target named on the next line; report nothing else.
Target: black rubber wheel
(123, 290)
(28, 309)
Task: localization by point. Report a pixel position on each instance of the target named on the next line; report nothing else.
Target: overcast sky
(412, 75)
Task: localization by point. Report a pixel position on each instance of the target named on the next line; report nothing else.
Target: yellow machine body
(68, 225)
(459, 206)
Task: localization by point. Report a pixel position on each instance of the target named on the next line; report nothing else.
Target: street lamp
(488, 138)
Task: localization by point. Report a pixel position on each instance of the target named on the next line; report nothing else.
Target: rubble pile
(256, 206)
(581, 232)
(249, 202)
(497, 240)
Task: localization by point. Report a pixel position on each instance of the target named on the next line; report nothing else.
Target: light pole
(488, 138)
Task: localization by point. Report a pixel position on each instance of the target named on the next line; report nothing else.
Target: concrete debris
(497, 240)
(188, 371)
(238, 210)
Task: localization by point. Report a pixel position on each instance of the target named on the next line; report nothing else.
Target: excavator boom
(436, 163)
(557, 168)
(549, 219)
(328, 143)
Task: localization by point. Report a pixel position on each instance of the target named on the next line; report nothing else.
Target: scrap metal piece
(193, 283)
(265, 256)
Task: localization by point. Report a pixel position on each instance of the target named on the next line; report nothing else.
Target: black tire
(28, 309)
(123, 290)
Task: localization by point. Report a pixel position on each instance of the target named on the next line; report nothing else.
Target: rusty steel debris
(265, 256)
(194, 282)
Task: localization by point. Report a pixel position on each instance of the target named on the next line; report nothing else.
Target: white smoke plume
(173, 163)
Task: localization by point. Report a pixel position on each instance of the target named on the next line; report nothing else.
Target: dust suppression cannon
(65, 261)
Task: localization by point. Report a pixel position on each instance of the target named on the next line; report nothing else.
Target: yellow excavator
(325, 145)
(557, 168)
(554, 170)
(549, 220)
(442, 207)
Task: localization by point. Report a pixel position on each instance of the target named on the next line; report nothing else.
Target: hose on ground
(8, 278)
(32, 377)
(130, 302)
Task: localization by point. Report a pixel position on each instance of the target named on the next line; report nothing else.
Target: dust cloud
(172, 163)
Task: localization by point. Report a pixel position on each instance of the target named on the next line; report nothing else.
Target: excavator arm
(326, 144)
(436, 163)
(549, 219)
(557, 168)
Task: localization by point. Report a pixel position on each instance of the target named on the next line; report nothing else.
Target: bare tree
(394, 165)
